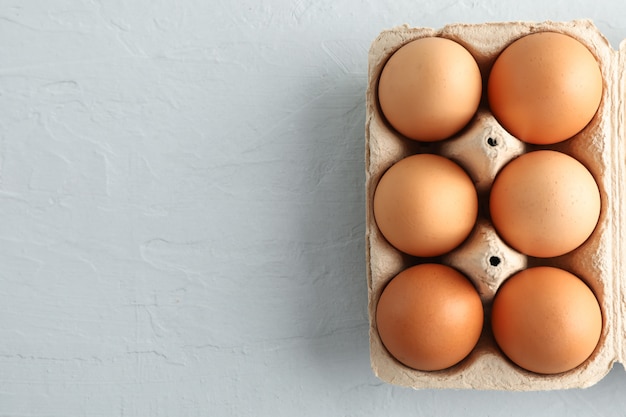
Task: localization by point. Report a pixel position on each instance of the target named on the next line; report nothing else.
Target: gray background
(182, 209)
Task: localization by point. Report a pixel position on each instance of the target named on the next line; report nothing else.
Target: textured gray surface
(182, 209)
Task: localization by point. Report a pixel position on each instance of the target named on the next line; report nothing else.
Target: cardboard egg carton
(482, 149)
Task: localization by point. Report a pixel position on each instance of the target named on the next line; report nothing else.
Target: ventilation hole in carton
(492, 142)
(494, 261)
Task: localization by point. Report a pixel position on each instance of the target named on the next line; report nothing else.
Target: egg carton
(483, 148)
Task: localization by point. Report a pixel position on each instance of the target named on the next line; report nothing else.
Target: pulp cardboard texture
(482, 149)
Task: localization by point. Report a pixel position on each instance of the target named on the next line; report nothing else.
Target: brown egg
(429, 317)
(545, 87)
(544, 203)
(430, 89)
(546, 320)
(425, 205)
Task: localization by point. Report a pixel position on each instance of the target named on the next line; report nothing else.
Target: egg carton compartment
(483, 148)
